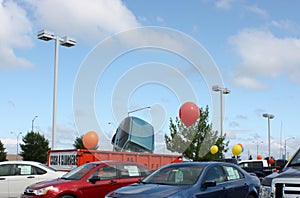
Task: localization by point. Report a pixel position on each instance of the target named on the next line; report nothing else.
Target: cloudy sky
(157, 54)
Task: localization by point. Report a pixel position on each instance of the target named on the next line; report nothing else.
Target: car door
(128, 174)
(22, 176)
(208, 189)
(237, 186)
(4, 179)
(106, 182)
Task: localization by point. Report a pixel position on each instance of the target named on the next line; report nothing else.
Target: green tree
(2, 152)
(35, 147)
(78, 144)
(194, 142)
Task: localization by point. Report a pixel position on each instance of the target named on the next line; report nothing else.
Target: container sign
(66, 160)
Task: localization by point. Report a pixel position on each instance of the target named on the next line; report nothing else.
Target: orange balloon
(259, 157)
(189, 113)
(90, 140)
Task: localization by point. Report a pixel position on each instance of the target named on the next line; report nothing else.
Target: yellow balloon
(214, 149)
(236, 149)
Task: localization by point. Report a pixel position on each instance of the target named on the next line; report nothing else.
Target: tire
(67, 196)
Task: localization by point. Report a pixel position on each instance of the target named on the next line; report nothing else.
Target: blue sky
(254, 45)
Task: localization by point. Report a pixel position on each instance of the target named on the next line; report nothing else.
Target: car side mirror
(208, 183)
(94, 178)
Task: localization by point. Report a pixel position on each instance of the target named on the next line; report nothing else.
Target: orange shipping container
(68, 159)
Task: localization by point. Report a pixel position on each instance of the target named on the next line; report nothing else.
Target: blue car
(194, 179)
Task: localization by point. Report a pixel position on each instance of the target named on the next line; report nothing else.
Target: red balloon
(259, 157)
(189, 113)
(90, 140)
(271, 161)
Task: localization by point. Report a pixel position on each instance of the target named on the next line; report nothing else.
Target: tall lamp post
(135, 110)
(222, 91)
(269, 117)
(64, 41)
(285, 157)
(33, 122)
(17, 135)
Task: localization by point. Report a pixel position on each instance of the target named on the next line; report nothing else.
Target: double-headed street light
(222, 91)
(64, 41)
(17, 135)
(285, 157)
(269, 116)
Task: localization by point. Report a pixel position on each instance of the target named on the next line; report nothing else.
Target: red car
(94, 179)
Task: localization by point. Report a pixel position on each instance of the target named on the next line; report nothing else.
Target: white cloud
(86, 21)
(15, 33)
(250, 82)
(224, 4)
(159, 19)
(258, 11)
(265, 55)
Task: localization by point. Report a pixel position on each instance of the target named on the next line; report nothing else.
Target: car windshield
(175, 175)
(295, 161)
(79, 172)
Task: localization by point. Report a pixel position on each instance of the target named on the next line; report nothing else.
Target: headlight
(265, 192)
(41, 191)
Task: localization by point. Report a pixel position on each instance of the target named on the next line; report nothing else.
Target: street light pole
(64, 41)
(129, 112)
(33, 122)
(17, 135)
(269, 116)
(222, 91)
(257, 145)
(285, 157)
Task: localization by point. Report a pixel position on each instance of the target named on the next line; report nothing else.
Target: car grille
(286, 190)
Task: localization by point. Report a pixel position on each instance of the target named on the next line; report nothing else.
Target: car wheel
(67, 196)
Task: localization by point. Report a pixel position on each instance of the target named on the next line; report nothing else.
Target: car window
(254, 164)
(4, 170)
(232, 173)
(38, 171)
(22, 169)
(106, 172)
(215, 173)
(129, 170)
(144, 171)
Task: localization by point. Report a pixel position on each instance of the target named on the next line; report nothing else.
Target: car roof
(20, 162)
(203, 163)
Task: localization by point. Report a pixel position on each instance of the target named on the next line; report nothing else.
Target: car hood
(47, 183)
(290, 172)
(143, 190)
